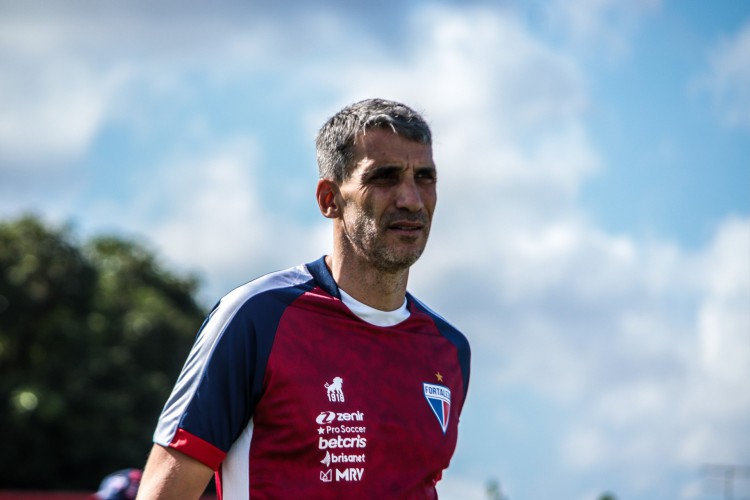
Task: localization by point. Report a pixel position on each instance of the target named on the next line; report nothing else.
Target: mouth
(411, 229)
(406, 226)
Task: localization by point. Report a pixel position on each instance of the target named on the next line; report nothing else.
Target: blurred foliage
(494, 491)
(92, 338)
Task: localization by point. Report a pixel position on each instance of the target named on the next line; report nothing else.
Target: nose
(409, 196)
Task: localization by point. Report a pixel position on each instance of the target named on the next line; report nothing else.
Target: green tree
(92, 338)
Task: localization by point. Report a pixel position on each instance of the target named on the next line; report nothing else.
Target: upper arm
(170, 474)
(213, 398)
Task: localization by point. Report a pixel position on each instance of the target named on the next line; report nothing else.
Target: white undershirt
(374, 316)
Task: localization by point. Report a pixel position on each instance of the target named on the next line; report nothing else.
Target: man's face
(388, 199)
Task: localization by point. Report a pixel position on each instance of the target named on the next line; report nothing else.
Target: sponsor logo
(356, 416)
(350, 474)
(334, 391)
(342, 442)
(342, 458)
(326, 417)
(439, 399)
(341, 436)
(342, 429)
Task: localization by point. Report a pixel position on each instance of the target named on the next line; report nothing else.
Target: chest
(355, 401)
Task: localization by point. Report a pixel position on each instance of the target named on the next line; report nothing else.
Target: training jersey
(288, 394)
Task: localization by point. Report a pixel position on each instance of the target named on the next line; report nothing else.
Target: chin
(396, 263)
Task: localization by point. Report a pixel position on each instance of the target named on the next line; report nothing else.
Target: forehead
(383, 146)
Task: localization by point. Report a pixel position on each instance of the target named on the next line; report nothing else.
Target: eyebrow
(389, 168)
(426, 168)
(381, 170)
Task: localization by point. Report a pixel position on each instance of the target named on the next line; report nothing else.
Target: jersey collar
(322, 277)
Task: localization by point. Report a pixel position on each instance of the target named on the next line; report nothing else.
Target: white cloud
(205, 211)
(459, 488)
(727, 78)
(719, 400)
(646, 380)
(724, 315)
(56, 110)
(71, 71)
(213, 212)
(506, 108)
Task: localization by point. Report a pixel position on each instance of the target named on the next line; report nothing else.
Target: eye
(383, 176)
(427, 175)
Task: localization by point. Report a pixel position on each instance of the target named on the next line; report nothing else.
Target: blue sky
(660, 130)
(592, 236)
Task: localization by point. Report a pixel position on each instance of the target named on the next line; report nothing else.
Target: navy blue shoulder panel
(453, 335)
(323, 278)
(225, 371)
(266, 310)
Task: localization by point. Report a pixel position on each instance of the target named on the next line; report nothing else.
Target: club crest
(334, 390)
(439, 399)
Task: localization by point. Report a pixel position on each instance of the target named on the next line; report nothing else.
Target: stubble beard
(368, 240)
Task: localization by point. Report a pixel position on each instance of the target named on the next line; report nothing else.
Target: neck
(379, 289)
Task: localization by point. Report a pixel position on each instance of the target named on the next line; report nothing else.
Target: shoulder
(258, 304)
(282, 287)
(453, 335)
(444, 327)
(294, 278)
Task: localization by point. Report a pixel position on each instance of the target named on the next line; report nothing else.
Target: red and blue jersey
(288, 394)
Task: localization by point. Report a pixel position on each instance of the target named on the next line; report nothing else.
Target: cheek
(368, 208)
(361, 216)
(429, 198)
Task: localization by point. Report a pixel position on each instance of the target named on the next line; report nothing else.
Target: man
(328, 380)
(120, 485)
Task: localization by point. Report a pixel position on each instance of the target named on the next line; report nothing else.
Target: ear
(327, 194)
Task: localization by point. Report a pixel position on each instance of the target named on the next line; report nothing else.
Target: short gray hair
(336, 138)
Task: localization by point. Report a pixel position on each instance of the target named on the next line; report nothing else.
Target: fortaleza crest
(439, 399)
